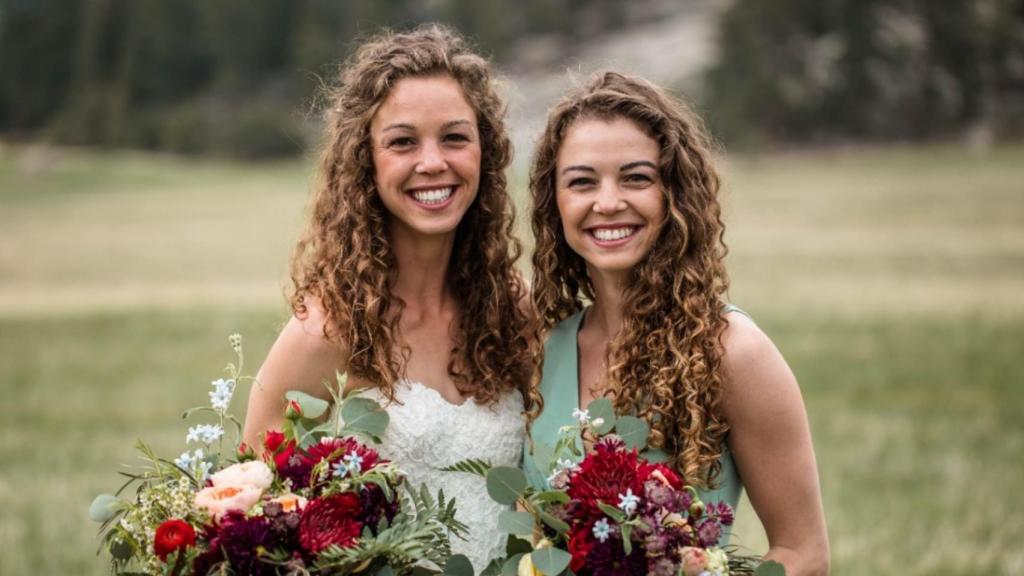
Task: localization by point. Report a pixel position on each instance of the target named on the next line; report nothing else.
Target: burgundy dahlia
(242, 542)
(331, 520)
(609, 558)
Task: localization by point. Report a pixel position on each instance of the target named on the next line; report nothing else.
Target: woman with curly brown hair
(404, 277)
(626, 216)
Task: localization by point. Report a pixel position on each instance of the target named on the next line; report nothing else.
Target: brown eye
(401, 142)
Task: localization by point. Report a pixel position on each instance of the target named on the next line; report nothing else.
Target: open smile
(432, 198)
(614, 235)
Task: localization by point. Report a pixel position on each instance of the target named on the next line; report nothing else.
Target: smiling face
(426, 154)
(609, 193)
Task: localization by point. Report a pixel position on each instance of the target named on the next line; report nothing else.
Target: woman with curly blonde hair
(404, 277)
(626, 216)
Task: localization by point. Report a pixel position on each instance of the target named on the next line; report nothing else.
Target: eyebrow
(445, 126)
(637, 164)
(579, 168)
(623, 168)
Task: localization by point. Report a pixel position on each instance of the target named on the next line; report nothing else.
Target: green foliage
(633, 431)
(506, 484)
(550, 560)
(470, 466)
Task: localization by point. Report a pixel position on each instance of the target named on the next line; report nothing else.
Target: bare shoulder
(304, 355)
(755, 373)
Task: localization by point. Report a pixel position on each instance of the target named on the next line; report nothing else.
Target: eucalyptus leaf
(386, 571)
(364, 415)
(511, 566)
(633, 431)
(516, 522)
(505, 484)
(554, 523)
(458, 565)
(602, 408)
(121, 550)
(516, 545)
(550, 560)
(770, 568)
(544, 457)
(104, 507)
(312, 407)
(552, 497)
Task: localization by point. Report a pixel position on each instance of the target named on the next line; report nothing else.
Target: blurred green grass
(890, 279)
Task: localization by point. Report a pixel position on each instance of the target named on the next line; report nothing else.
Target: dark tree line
(814, 70)
(224, 76)
(234, 76)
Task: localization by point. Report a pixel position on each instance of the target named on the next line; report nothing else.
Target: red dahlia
(332, 520)
(172, 536)
(604, 474)
(335, 449)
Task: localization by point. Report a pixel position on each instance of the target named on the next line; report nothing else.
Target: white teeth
(609, 234)
(433, 196)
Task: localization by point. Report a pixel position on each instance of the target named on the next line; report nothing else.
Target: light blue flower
(602, 531)
(205, 433)
(184, 461)
(340, 469)
(582, 416)
(223, 390)
(354, 462)
(628, 502)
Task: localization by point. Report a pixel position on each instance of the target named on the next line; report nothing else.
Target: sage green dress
(560, 389)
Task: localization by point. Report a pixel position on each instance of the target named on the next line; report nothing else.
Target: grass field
(890, 279)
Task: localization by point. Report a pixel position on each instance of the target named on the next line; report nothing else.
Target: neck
(422, 269)
(606, 313)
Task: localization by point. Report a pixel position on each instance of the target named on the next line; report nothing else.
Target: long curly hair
(345, 260)
(665, 363)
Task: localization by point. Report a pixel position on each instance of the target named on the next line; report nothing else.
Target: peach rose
(290, 502)
(219, 500)
(253, 473)
(694, 560)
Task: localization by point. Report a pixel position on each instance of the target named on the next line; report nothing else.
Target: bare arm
(301, 359)
(771, 441)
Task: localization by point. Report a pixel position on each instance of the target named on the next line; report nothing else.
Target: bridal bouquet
(316, 501)
(611, 511)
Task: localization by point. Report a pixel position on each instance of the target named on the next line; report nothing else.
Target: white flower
(628, 502)
(236, 342)
(583, 416)
(223, 390)
(597, 422)
(602, 530)
(205, 433)
(718, 561)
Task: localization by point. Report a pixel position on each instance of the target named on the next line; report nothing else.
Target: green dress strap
(559, 387)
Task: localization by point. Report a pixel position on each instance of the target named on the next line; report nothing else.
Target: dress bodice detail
(426, 433)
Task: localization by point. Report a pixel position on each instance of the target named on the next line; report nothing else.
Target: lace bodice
(427, 433)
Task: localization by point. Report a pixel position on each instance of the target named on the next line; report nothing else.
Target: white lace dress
(427, 433)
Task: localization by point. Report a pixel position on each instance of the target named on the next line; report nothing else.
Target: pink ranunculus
(219, 500)
(253, 473)
(694, 560)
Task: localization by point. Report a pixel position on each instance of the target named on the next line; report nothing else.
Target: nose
(609, 199)
(431, 160)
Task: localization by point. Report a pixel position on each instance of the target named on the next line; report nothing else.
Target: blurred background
(156, 157)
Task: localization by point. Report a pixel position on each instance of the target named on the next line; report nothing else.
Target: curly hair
(345, 260)
(665, 363)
